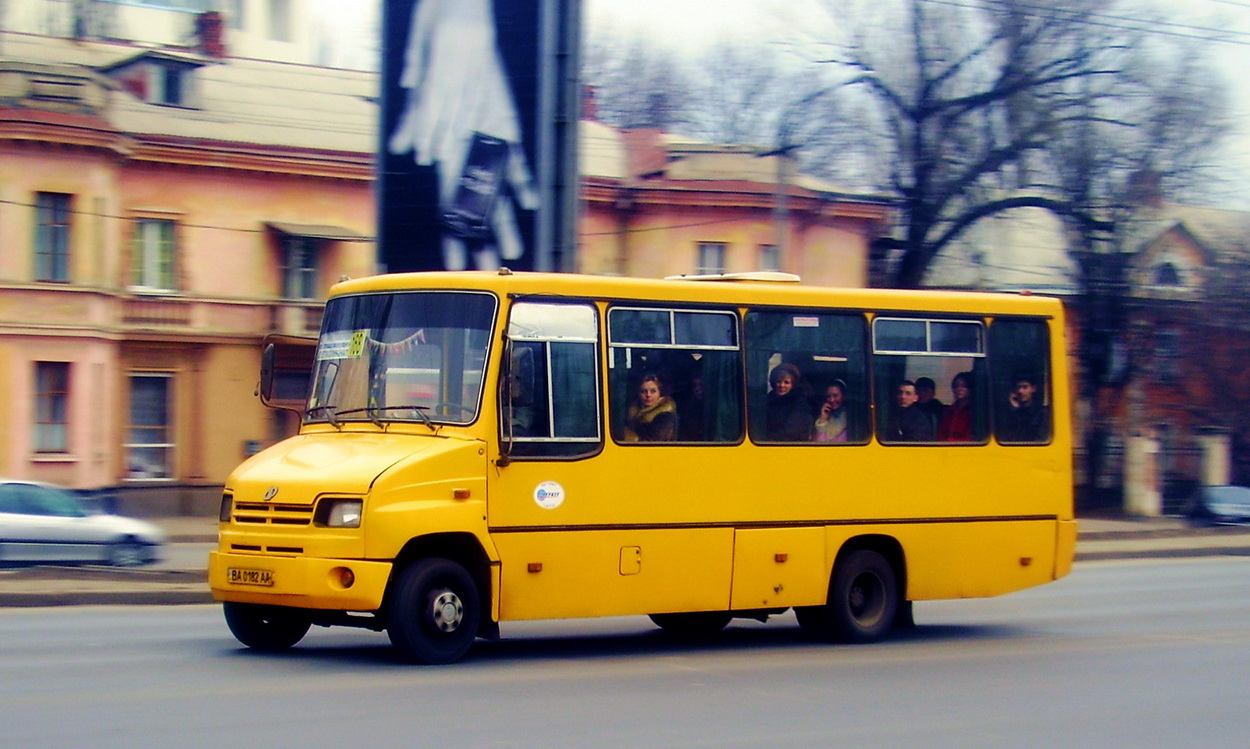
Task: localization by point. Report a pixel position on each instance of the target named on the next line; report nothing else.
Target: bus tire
(270, 629)
(863, 601)
(692, 624)
(434, 612)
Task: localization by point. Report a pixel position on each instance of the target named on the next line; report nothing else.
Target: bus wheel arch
(866, 595)
(462, 548)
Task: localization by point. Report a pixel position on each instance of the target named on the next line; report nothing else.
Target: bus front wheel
(266, 628)
(434, 612)
(863, 601)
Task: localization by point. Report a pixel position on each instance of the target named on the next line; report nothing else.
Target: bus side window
(693, 356)
(828, 352)
(930, 381)
(549, 403)
(1019, 351)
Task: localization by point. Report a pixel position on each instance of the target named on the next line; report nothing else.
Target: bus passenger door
(575, 536)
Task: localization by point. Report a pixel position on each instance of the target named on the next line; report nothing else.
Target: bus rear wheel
(863, 601)
(267, 628)
(692, 624)
(434, 612)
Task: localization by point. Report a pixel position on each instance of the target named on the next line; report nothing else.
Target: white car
(44, 524)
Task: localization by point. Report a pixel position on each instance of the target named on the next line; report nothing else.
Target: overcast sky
(698, 23)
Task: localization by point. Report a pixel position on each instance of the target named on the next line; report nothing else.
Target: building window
(52, 216)
(169, 85)
(1166, 274)
(1168, 355)
(234, 14)
(154, 255)
(149, 445)
(770, 258)
(280, 20)
(51, 407)
(711, 258)
(299, 266)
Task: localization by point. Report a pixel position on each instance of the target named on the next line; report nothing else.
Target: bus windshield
(412, 356)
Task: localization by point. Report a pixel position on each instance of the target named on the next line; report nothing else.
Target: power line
(1120, 23)
(99, 214)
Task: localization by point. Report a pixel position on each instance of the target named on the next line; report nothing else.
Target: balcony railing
(156, 313)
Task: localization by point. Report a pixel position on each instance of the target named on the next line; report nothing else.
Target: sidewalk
(1100, 538)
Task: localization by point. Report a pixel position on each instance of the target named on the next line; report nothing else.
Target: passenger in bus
(831, 423)
(1025, 419)
(927, 401)
(908, 423)
(788, 417)
(956, 422)
(653, 418)
(690, 412)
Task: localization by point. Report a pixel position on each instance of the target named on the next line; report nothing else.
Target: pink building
(160, 213)
(658, 205)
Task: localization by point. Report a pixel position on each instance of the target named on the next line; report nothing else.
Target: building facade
(656, 205)
(153, 233)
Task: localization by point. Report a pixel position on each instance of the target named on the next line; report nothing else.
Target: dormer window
(158, 77)
(1166, 274)
(169, 86)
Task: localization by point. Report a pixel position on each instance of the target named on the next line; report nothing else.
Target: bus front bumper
(302, 582)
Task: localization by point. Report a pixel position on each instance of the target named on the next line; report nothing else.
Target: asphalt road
(1142, 654)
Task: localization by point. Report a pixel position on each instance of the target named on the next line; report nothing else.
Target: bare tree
(637, 84)
(968, 98)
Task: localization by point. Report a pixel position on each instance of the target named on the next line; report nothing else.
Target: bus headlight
(338, 512)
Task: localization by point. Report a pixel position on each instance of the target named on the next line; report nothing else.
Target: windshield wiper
(371, 410)
(329, 413)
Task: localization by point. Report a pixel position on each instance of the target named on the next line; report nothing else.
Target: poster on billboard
(461, 158)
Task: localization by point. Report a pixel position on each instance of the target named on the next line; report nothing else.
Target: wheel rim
(446, 610)
(128, 555)
(866, 598)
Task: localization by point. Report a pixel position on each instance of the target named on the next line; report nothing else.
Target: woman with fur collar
(654, 417)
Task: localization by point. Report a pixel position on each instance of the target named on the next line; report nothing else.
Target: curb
(106, 598)
(36, 587)
(102, 586)
(1219, 551)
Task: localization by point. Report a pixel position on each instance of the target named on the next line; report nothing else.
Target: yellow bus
(477, 448)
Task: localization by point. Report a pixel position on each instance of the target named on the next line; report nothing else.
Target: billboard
(475, 154)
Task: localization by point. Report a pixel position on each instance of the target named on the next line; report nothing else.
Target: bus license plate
(239, 576)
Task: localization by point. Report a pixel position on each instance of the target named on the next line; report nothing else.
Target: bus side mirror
(265, 391)
(286, 366)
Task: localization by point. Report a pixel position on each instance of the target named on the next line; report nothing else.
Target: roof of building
(642, 155)
(1027, 248)
(231, 100)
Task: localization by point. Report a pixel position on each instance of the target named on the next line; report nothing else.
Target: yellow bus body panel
(614, 572)
(779, 568)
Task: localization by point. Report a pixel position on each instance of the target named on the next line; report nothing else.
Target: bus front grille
(255, 513)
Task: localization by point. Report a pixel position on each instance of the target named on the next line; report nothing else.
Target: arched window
(1167, 275)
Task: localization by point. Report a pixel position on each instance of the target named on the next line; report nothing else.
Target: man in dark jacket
(1025, 419)
(908, 423)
